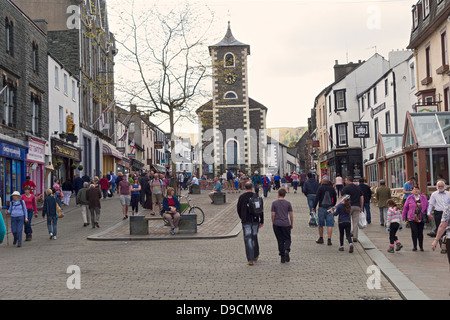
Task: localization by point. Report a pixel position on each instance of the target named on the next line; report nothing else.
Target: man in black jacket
(367, 193)
(250, 224)
(326, 198)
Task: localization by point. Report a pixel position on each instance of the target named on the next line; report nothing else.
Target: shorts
(157, 198)
(325, 218)
(125, 200)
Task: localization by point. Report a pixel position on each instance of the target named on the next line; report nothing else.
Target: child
(393, 223)
(344, 221)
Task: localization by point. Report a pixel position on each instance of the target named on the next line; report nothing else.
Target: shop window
(397, 172)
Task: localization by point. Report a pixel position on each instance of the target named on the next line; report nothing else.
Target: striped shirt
(393, 215)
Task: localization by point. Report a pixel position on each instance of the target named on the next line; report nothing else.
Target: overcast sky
(294, 45)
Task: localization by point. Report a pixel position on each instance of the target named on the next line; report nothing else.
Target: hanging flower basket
(80, 167)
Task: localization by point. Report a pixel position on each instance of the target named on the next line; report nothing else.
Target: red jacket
(104, 184)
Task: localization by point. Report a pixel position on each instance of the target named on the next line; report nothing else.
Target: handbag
(362, 223)
(59, 212)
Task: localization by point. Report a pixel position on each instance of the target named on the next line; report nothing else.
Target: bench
(139, 225)
(187, 224)
(194, 189)
(219, 198)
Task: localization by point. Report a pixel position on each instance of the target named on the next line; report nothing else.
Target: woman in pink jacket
(415, 212)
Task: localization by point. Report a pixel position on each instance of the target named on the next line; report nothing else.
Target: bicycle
(191, 209)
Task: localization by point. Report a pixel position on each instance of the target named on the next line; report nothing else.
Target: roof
(229, 41)
(252, 103)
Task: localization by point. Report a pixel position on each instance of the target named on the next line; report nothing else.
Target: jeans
(383, 212)
(344, 227)
(339, 188)
(28, 224)
(52, 222)
(311, 199)
(367, 210)
(250, 230)
(393, 228)
(135, 202)
(17, 228)
(266, 190)
(283, 235)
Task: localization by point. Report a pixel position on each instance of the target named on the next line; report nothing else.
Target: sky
(294, 45)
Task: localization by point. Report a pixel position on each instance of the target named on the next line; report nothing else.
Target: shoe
(15, 240)
(172, 231)
(28, 237)
(19, 245)
(320, 240)
(421, 249)
(85, 224)
(256, 259)
(398, 246)
(250, 263)
(283, 259)
(96, 224)
(390, 249)
(54, 237)
(350, 250)
(355, 240)
(287, 258)
(443, 251)
(51, 236)
(341, 248)
(414, 249)
(329, 242)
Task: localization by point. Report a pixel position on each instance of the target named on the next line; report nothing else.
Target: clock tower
(231, 124)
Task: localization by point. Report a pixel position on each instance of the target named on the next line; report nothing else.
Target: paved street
(210, 267)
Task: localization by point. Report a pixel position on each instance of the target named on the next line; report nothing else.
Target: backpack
(326, 201)
(255, 205)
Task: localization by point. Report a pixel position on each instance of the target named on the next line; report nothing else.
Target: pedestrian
(265, 181)
(251, 222)
(325, 198)
(338, 184)
(82, 201)
(157, 188)
(256, 180)
(356, 202)
(30, 204)
(28, 182)
(303, 177)
(112, 182)
(57, 189)
(344, 222)
(415, 212)
(310, 189)
(277, 180)
(78, 183)
(230, 187)
(283, 222)
(443, 229)
(67, 190)
(49, 209)
(383, 194)
(135, 195)
(93, 196)
(367, 194)
(294, 178)
(407, 188)
(124, 195)
(171, 210)
(393, 224)
(439, 200)
(104, 186)
(19, 216)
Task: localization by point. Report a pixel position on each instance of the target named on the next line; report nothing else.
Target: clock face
(230, 78)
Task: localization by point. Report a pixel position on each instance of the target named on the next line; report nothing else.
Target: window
(35, 112)
(9, 102)
(35, 57)
(386, 87)
(229, 60)
(397, 172)
(368, 100)
(446, 99)
(375, 95)
(415, 17)
(362, 104)
(376, 128)
(9, 36)
(341, 130)
(388, 122)
(74, 90)
(428, 62)
(66, 90)
(61, 119)
(329, 103)
(339, 100)
(426, 8)
(444, 48)
(56, 77)
(232, 152)
(330, 137)
(230, 95)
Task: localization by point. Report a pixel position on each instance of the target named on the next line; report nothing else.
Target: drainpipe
(395, 101)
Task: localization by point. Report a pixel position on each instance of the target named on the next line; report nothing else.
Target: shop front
(65, 159)
(323, 166)
(345, 162)
(36, 164)
(12, 169)
(111, 156)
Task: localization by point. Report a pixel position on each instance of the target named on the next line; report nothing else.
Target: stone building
(24, 97)
(232, 125)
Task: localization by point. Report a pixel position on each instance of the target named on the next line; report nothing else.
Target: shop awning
(110, 150)
(427, 129)
(389, 145)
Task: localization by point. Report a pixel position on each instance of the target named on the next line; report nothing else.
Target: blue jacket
(2, 228)
(50, 206)
(165, 204)
(310, 186)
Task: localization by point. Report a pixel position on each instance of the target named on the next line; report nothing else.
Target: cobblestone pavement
(212, 267)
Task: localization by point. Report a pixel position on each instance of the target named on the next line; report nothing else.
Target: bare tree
(164, 50)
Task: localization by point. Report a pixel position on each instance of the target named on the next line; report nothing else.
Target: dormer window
(415, 13)
(426, 8)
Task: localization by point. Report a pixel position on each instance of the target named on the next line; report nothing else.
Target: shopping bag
(313, 220)
(362, 223)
